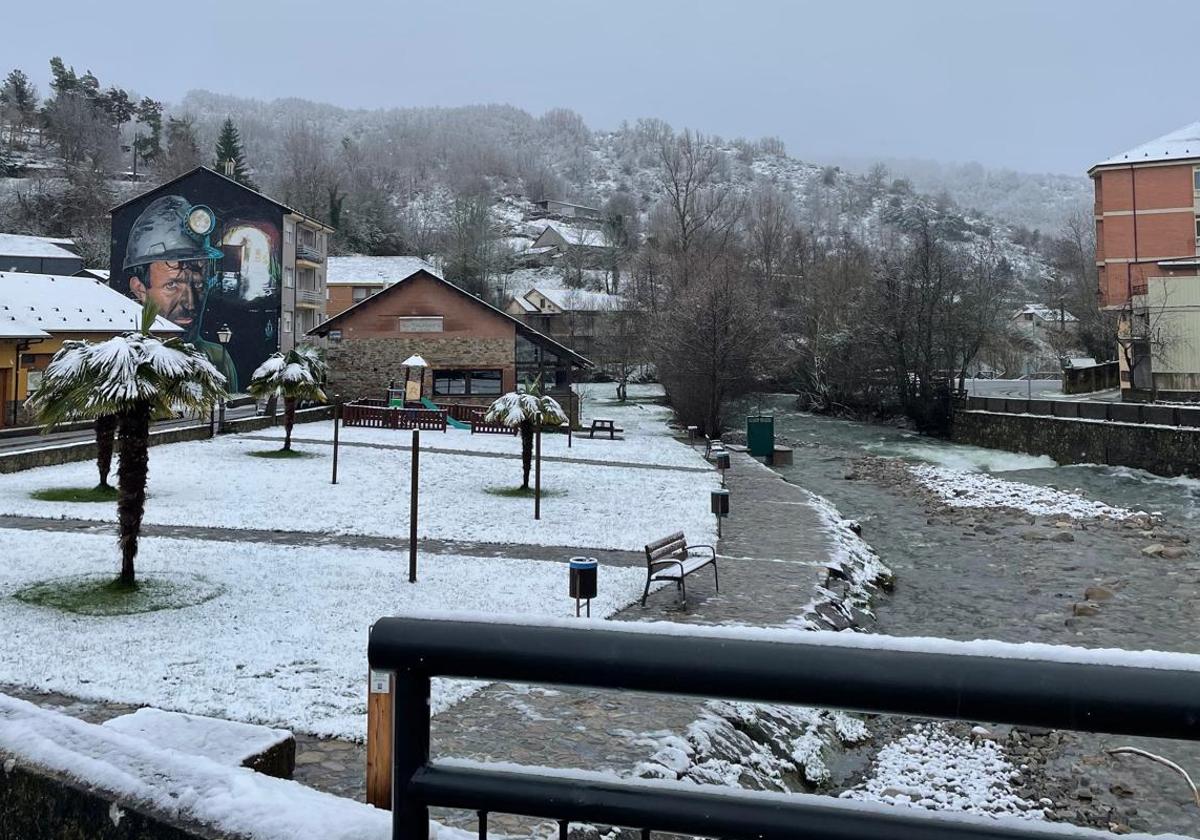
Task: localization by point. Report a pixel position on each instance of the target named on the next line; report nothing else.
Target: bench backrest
(674, 544)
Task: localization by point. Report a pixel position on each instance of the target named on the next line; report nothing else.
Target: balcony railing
(308, 253)
(1148, 694)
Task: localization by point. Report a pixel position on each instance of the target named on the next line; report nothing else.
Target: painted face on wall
(175, 287)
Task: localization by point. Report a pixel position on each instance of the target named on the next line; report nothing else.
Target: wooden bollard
(381, 685)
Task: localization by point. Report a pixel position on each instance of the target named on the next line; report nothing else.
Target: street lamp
(224, 334)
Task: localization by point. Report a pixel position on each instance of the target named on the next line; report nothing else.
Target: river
(967, 574)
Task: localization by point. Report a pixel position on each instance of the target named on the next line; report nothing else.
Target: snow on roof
(68, 304)
(1180, 144)
(1044, 312)
(579, 300)
(525, 304)
(19, 245)
(370, 271)
(414, 361)
(572, 235)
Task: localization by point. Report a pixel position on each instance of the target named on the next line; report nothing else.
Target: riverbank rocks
(1153, 550)
(1097, 593)
(1085, 608)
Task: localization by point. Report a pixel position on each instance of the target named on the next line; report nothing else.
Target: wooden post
(337, 410)
(380, 701)
(537, 472)
(412, 508)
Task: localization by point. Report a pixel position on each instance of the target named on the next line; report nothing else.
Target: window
(287, 322)
(1196, 179)
(420, 324)
(360, 293)
(287, 233)
(289, 277)
(449, 383)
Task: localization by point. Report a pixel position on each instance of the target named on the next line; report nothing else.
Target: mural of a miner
(170, 260)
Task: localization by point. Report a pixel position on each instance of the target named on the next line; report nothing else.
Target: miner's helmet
(170, 228)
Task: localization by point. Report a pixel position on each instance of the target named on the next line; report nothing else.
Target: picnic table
(601, 425)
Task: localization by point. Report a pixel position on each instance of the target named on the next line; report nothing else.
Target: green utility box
(760, 435)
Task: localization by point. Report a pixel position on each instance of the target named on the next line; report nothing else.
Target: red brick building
(1147, 216)
(475, 351)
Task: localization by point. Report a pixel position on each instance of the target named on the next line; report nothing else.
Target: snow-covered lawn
(217, 483)
(285, 641)
(636, 448)
(979, 490)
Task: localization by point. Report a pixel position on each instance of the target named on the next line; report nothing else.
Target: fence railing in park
(378, 415)
(1117, 412)
(1138, 694)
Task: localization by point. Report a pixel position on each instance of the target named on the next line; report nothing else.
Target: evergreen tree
(18, 104)
(148, 146)
(229, 151)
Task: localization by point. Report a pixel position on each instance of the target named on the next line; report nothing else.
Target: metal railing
(1144, 694)
(1117, 412)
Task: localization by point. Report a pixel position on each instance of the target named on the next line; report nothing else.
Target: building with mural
(222, 261)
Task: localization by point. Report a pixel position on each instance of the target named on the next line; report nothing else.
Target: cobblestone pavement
(769, 553)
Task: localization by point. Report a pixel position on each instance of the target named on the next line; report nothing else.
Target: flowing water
(970, 575)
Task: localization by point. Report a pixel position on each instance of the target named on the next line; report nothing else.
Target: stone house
(475, 351)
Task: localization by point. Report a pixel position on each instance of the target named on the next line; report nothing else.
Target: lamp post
(224, 335)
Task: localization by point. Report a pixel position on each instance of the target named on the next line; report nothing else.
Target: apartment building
(1147, 214)
(223, 261)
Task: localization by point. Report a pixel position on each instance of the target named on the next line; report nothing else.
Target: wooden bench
(670, 559)
(609, 426)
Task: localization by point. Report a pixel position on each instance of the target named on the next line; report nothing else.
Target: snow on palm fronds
(514, 408)
(86, 380)
(296, 373)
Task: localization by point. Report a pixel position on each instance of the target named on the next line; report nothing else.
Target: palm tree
(106, 433)
(526, 411)
(133, 377)
(294, 375)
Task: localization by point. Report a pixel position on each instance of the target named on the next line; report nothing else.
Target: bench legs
(716, 580)
(646, 591)
(681, 586)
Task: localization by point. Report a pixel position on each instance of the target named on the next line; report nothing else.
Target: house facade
(212, 253)
(38, 254)
(579, 318)
(1147, 214)
(38, 312)
(568, 210)
(475, 351)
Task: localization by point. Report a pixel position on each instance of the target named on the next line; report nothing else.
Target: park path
(771, 558)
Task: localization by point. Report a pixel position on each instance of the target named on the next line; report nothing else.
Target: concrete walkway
(771, 558)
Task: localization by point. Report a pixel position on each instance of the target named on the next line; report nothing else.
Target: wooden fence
(375, 414)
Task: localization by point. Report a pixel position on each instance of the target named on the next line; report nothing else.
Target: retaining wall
(1162, 449)
(64, 453)
(38, 805)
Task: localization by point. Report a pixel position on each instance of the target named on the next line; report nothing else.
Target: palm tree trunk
(526, 452)
(131, 483)
(289, 420)
(106, 430)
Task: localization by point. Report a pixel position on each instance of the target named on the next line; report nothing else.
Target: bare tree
(769, 223)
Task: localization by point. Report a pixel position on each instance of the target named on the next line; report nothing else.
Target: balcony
(309, 299)
(309, 253)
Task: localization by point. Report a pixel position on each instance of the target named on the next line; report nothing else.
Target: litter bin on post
(760, 435)
(583, 581)
(720, 506)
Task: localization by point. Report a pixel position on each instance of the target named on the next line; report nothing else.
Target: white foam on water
(961, 457)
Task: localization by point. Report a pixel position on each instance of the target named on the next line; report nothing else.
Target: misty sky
(1045, 85)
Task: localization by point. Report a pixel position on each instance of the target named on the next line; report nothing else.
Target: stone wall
(38, 805)
(363, 367)
(1160, 449)
(66, 453)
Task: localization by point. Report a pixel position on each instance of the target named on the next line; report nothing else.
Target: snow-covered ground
(929, 767)
(284, 643)
(979, 490)
(217, 483)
